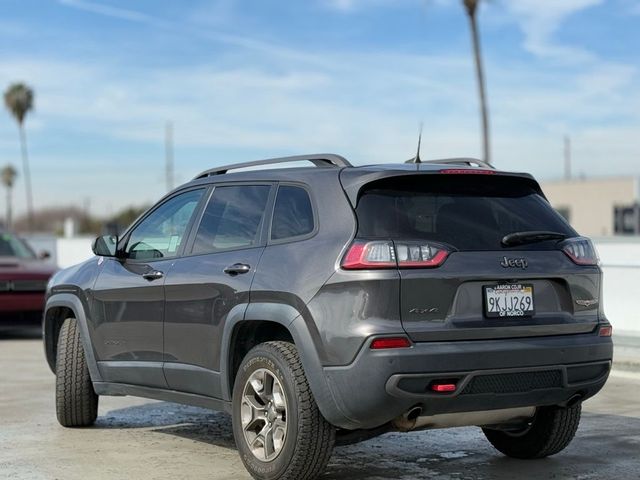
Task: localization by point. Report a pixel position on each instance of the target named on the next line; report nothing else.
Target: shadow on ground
(606, 446)
(12, 333)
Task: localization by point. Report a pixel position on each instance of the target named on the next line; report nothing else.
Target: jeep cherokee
(331, 304)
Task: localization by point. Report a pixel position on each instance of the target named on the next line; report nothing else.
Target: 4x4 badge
(514, 263)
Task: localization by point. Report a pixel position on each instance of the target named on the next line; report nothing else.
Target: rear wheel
(550, 431)
(279, 431)
(76, 401)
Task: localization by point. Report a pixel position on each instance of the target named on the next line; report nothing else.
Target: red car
(23, 281)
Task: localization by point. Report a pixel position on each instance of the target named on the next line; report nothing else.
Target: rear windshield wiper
(520, 238)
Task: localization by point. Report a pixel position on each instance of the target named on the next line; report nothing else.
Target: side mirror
(44, 255)
(105, 246)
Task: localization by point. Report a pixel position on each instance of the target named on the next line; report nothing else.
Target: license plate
(508, 300)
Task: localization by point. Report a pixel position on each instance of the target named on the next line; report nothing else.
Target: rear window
(464, 211)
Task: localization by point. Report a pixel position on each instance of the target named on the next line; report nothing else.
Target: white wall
(64, 252)
(620, 258)
(71, 251)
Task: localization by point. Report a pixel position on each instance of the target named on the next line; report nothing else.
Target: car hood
(24, 268)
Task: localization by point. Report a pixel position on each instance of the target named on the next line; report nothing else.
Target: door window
(292, 214)
(232, 219)
(160, 234)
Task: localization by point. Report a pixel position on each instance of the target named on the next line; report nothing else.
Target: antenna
(416, 159)
(567, 157)
(168, 154)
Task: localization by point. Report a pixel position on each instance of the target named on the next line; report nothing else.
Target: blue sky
(248, 79)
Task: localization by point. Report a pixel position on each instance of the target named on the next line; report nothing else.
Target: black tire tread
(552, 430)
(76, 401)
(315, 436)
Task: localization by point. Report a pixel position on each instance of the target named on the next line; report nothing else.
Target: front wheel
(278, 429)
(550, 431)
(76, 401)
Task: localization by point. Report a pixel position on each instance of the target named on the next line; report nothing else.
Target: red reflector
(606, 331)
(465, 171)
(393, 342)
(443, 387)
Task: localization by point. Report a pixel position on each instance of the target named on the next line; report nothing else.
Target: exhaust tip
(414, 413)
(577, 398)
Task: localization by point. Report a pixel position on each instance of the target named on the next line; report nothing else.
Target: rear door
(212, 282)
(483, 289)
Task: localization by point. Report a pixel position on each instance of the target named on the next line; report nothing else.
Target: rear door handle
(237, 268)
(152, 275)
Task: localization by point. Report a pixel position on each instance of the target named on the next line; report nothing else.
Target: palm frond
(18, 99)
(8, 176)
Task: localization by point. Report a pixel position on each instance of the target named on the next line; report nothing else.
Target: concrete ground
(143, 439)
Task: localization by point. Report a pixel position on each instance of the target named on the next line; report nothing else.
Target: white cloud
(541, 19)
(109, 11)
(358, 5)
(268, 100)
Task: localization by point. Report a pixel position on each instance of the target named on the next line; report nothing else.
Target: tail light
(466, 171)
(364, 255)
(581, 251)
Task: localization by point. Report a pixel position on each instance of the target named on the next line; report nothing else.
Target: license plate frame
(506, 292)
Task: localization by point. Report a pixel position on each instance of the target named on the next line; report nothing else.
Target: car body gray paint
(298, 294)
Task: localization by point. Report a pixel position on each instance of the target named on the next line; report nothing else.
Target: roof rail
(471, 162)
(319, 160)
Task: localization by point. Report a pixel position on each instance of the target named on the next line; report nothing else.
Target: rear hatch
(460, 278)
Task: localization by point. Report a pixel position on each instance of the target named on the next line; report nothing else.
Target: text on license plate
(509, 300)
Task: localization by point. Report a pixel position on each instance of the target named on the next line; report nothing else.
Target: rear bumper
(380, 385)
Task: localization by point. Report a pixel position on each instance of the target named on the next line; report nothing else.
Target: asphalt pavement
(142, 439)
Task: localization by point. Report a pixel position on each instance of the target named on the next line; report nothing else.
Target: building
(598, 206)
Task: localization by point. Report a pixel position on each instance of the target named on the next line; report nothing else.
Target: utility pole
(472, 10)
(168, 153)
(8, 218)
(567, 157)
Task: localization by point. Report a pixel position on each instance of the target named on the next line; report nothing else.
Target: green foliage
(126, 217)
(8, 176)
(18, 99)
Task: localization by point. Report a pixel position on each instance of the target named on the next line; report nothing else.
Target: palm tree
(472, 8)
(18, 99)
(8, 176)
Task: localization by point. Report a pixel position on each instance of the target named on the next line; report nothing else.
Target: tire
(76, 401)
(551, 430)
(308, 438)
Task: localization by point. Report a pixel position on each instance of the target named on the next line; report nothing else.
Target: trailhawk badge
(587, 303)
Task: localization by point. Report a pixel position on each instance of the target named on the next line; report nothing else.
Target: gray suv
(327, 305)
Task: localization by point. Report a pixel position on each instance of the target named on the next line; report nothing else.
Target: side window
(232, 219)
(162, 232)
(292, 214)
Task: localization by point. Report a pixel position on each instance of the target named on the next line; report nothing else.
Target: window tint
(232, 218)
(293, 214)
(467, 213)
(11, 246)
(162, 232)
